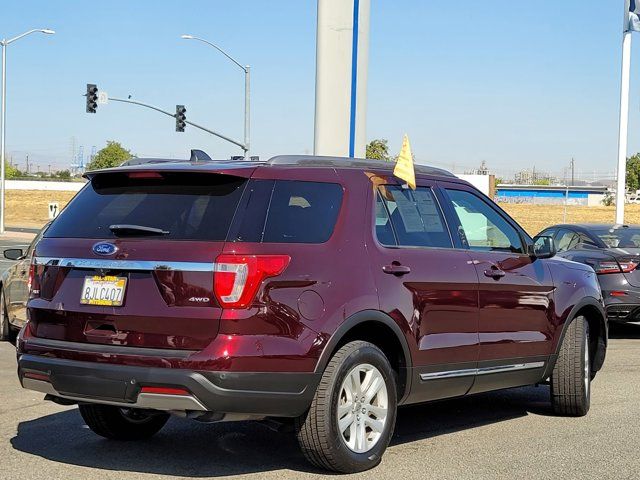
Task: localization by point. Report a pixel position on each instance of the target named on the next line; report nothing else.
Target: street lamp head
(48, 31)
(188, 37)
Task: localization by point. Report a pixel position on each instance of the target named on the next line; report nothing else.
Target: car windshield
(624, 237)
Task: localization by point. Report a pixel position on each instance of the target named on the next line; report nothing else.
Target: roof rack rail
(347, 162)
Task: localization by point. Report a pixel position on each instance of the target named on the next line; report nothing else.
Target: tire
(368, 425)
(571, 377)
(122, 424)
(6, 334)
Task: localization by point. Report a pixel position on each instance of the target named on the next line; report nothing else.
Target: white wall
(43, 185)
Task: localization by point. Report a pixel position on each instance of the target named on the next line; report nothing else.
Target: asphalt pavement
(510, 434)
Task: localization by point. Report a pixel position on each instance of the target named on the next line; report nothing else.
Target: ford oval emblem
(104, 248)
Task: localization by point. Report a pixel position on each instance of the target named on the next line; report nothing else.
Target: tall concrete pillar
(342, 56)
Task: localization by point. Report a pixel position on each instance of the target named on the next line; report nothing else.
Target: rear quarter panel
(574, 283)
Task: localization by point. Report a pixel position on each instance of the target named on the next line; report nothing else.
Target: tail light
(236, 278)
(33, 282)
(611, 266)
(628, 266)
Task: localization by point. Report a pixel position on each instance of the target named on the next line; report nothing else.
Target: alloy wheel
(362, 408)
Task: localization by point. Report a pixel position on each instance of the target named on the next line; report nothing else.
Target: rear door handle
(396, 269)
(494, 272)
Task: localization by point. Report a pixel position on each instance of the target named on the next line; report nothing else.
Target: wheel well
(597, 335)
(386, 340)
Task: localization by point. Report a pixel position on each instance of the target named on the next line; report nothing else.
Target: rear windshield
(624, 237)
(184, 206)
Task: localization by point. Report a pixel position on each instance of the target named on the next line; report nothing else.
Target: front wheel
(352, 416)
(571, 377)
(122, 423)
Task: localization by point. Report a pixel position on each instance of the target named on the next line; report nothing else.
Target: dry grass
(30, 209)
(536, 217)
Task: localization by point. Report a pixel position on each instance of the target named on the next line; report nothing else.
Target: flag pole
(624, 122)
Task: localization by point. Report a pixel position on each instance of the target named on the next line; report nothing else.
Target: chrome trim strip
(480, 371)
(510, 368)
(132, 265)
(155, 401)
(450, 374)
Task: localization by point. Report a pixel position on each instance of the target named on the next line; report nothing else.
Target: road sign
(54, 210)
(103, 97)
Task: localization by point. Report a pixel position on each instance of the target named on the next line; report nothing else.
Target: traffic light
(181, 118)
(92, 98)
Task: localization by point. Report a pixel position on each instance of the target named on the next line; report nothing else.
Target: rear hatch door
(130, 260)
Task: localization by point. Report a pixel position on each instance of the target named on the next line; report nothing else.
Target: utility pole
(27, 164)
(573, 165)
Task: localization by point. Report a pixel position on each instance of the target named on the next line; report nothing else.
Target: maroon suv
(316, 289)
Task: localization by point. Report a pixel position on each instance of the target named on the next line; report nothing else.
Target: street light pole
(4, 131)
(4, 43)
(247, 90)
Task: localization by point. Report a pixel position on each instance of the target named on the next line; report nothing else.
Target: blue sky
(468, 81)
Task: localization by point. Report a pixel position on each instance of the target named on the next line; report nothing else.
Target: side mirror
(13, 254)
(543, 247)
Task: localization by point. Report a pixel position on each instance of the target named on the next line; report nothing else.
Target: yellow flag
(404, 164)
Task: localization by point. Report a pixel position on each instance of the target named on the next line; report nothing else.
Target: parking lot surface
(507, 434)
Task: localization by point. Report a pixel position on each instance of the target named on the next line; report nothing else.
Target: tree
(110, 156)
(378, 149)
(542, 181)
(10, 171)
(64, 174)
(633, 172)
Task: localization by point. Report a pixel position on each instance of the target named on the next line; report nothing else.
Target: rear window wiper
(133, 230)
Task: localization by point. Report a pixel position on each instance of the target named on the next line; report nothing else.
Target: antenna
(199, 156)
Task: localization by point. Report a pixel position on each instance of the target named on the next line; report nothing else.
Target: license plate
(107, 291)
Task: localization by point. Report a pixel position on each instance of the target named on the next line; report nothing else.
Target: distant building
(587, 195)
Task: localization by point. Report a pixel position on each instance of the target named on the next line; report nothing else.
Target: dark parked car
(319, 290)
(14, 290)
(614, 253)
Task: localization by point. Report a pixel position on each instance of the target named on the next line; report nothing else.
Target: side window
(384, 230)
(549, 232)
(566, 240)
(302, 212)
(483, 228)
(413, 215)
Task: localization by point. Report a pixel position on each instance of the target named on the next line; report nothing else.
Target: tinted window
(549, 232)
(483, 228)
(566, 240)
(384, 230)
(302, 212)
(619, 237)
(189, 206)
(415, 218)
(254, 206)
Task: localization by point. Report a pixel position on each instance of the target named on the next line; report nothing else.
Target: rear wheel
(571, 377)
(353, 413)
(122, 423)
(5, 327)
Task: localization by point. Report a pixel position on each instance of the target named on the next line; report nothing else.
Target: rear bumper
(254, 394)
(623, 312)
(624, 306)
